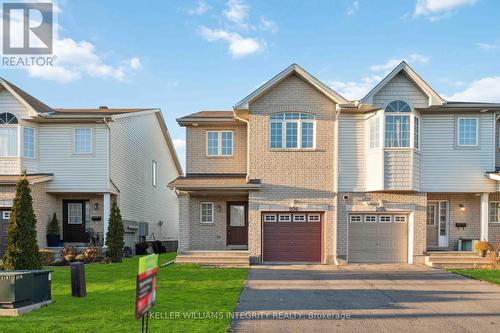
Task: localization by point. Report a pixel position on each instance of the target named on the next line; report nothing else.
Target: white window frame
(436, 208)
(374, 128)
(75, 204)
(399, 219)
(6, 214)
(489, 217)
(369, 218)
(91, 140)
(154, 173)
(17, 129)
(24, 142)
(299, 123)
(211, 204)
(477, 131)
(270, 218)
(219, 143)
(314, 218)
(287, 216)
(381, 218)
(412, 115)
(416, 132)
(356, 218)
(295, 218)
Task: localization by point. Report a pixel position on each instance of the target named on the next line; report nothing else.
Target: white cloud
(201, 8)
(439, 9)
(73, 59)
(180, 147)
(353, 9)
(353, 90)
(238, 46)
(489, 46)
(237, 13)
(483, 90)
(267, 25)
(392, 63)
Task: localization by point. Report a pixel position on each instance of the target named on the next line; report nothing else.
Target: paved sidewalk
(378, 298)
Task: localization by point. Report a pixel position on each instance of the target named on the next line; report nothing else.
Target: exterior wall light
(96, 206)
(462, 207)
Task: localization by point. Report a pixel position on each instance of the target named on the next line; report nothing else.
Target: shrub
(69, 257)
(92, 254)
(53, 228)
(80, 257)
(482, 246)
(48, 257)
(68, 250)
(116, 233)
(22, 248)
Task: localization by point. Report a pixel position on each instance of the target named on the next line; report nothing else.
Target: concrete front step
(455, 265)
(228, 253)
(458, 259)
(452, 253)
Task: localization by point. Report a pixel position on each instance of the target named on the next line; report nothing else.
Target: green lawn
(109, 305)
(480, 274)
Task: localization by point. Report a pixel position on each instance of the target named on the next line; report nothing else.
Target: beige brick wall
(470, 216)
(402, 201)
(197, 160)
(494, 228)
(304, 176)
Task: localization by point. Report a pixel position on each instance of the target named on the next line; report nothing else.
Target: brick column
(184, 223)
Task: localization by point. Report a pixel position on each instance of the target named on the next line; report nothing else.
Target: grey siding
(400, 88)
(448, 168)
(351, 152)
(398, 169)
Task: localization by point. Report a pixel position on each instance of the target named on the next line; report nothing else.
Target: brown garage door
(292, 236)
(378, 238)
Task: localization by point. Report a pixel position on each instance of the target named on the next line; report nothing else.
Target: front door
(441, 220)
(237, 223)
(74, 221)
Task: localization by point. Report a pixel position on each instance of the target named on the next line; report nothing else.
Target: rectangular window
(385, 218)
(83, 140)
(374, 125)
(291, 135)
(227, 143)
(443, 217)
(155, 173)
(299, 217)
(399, 218)
(207, 212)
(416, 135)
(467, 131)
(431, 214)
(494, 212)
(356, 218)
(28, 142)
(6, 214)
(276, 135)
(285, 218)
(313, 217)
(8, 142)
(370, 218)
(212, 143)
(75, 213)
(397, 131)
(269, 218)
(307, 135)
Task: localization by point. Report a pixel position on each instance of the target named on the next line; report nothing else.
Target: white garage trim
(411, 222)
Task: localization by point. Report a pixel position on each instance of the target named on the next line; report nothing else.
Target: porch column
(485, 206)
(184, 223)
(106, 210)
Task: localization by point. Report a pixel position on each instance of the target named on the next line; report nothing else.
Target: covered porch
(213, 218)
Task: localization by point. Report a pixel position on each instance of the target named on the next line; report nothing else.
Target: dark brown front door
(292, 236)
(74, 221)
(237, 223)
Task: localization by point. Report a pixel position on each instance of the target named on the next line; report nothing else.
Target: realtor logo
(27, 28)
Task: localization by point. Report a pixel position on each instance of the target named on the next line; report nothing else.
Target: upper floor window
(8, 135)
(83, 140)
(467, 131)
(402, 127)
(292, 130)
(219, 143)
(29, 142)
(374, 128)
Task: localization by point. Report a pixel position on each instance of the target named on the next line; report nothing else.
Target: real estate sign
(146, 284)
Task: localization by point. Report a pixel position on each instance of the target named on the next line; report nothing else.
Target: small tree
(53, 228)
(22, 248)
(115, 236)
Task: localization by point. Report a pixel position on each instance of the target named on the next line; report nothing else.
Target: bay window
(374, 128)
(402, 127)
(292, 130)
(28, 142)
(8, 135)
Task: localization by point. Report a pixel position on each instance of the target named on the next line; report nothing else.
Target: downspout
(109, 153)
(336, 182)
(248, 143)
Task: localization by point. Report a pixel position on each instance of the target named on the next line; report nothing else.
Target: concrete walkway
(378, 298)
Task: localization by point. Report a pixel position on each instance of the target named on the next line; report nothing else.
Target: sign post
(145, 295)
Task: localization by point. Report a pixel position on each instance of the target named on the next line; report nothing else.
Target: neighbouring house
(295, 172)
(78, 161)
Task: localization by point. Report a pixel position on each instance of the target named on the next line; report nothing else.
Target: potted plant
(482, 247)
(53, 233)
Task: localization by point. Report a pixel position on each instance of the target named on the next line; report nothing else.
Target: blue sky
(186, 56)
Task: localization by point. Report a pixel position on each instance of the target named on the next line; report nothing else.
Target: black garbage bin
(16, 289)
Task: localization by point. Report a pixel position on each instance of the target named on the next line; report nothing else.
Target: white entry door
(444, 223)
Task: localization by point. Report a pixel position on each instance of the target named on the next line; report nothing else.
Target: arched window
(8, 135)
(398, 126)
(292, 130)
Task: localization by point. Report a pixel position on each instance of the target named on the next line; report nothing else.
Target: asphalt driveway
(376, 298)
